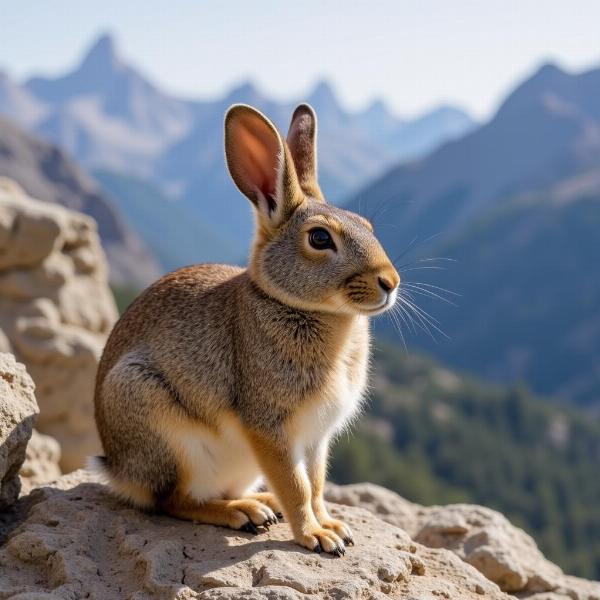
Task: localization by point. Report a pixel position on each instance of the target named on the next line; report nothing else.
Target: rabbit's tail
(98, 466)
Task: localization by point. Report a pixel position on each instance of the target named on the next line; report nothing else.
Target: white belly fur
(222, 465)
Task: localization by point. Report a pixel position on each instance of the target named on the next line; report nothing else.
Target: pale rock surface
(18, 410)
(76, 540)
(42, 458)
(56, 310)
(480, 536)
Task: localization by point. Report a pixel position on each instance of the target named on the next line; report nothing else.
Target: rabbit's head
(306, 253)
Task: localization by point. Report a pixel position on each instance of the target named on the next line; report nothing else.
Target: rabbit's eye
(320, 239)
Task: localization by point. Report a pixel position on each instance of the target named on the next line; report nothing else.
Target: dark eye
(320, 239)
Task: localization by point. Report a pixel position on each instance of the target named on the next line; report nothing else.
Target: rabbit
(217, 378)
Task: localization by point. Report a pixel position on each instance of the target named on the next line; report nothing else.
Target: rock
(18, 410)
(56, 310)
(77, 540)
(41, 462)
(480, 536)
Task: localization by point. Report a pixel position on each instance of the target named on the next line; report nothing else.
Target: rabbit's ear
(260, 165)
(302, 141)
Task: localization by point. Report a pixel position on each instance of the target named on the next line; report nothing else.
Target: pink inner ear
(257, 150)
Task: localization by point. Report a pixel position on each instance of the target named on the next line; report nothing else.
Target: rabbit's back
(177, 336)
(182, 315)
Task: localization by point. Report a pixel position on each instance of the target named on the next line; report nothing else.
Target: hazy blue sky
(412, 54)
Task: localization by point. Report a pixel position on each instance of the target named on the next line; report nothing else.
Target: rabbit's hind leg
(269, 500)
(245, 514)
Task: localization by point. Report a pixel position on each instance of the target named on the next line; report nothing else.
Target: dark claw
(337, 551)
(249, 527)
(318, 548)
(279, 515)
(348, 541)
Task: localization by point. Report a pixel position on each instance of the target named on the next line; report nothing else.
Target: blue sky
(412, 54)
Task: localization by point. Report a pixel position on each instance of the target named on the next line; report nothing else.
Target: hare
(217, 376)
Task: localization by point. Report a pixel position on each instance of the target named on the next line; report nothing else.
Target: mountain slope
(530, 292)
(177, 236)
(48, 174)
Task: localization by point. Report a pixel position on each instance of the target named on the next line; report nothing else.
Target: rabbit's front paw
(340, 528)
(320, 540)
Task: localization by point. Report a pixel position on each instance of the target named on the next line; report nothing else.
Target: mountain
(547, 128)
(17, 104)
(530, 292)
(45, 172)
(176, 236)
(110, 116)
(515, 201)
(436, 436)
(106, 113)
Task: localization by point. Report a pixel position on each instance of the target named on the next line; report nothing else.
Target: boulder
(56, 310)
(76, 540)
(478, 535)
(41, 464)
(18, 410)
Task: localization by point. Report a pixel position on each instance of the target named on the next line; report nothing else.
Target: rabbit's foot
(319, 540)
(247, 514)
(268, 499)
(340, 528)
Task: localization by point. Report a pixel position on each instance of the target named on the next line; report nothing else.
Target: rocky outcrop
(55, 312)
(480, 536)
(42, 458)
(17, 413)
(78, 541)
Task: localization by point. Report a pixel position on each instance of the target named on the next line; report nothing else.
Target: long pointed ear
(302, 141)
(260, 165)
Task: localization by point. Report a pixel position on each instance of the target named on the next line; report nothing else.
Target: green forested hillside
(437, 437)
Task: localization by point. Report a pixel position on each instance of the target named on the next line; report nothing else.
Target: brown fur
(267, 362)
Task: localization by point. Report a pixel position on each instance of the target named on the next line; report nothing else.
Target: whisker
(395, 322)
(406, 318)
(424, 314)
(382, 203)
(424, 292)
(407, 249)
(436, 287)
(422, 310)
(436, 258)
(421, 269)
(419, 322)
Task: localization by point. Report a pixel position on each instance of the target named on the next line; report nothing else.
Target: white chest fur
(341, 399)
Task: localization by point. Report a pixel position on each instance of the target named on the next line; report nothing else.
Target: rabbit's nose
(385, 284)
